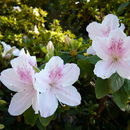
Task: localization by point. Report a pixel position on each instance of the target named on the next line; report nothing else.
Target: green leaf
(120, 97)
(2, 126)
(127, 87)
(2, 102)
(30, 117)
(93, 59)
(85, 68)
(102, 87)
(123, 6)
(40, 126)
(36, 69)
(45, 121)
(116, 82)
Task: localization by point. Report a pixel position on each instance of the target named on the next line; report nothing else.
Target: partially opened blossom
(8, 50)
(20, 79)
(55, 82)
(103, 29)
(115, 54)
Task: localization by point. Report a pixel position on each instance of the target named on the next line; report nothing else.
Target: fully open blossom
(8, 50)
(55, 84)
(115, 54)
(20, 79)
(109, 23)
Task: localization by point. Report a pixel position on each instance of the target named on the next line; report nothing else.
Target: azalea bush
(50, 79)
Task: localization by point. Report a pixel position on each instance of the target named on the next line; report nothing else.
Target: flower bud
(50, 46)
(36, 30)
(67, 40)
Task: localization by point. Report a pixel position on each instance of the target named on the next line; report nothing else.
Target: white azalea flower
(115, 54)
(109, 23)
(55, 84)
(8, 50)
(20, 79)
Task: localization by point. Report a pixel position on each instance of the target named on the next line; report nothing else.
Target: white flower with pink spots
(20, 79)
(94, 29)
(55, 84)
(115, 54)
(110, 22)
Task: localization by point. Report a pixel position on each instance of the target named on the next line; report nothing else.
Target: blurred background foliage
(64, 23)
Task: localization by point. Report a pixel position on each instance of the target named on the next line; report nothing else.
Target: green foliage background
(57, 20)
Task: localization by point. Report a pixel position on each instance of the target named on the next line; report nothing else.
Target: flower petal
(123, 69)
(94, 30)
(16, 52)
(111, 21)
(70, 74)
(100, 46)
(11, 80)
(47, 104)
(122, 27)
(126, 46)
(20, 102)
(53, 63)
(68, 95)
(23, 69)
(104, 69)
(35, 102)
(91, 51)
(41, 82)
(116, 35)
(26, 58)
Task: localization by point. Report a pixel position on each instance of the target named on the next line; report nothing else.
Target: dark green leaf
(102, 87)
(40, 126)
(120, 97)
(116, 82)
(85, 68)
(123, 6)
(30, 117)
(45, 121)
(93, 59)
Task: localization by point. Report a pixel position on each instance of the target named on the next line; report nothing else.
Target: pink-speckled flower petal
(70, 74)
(123, 69)
(111, 21)
(48, 104)
(54, 62)
(20, 102)
(104, 69)
(11, 80)
(68, 95)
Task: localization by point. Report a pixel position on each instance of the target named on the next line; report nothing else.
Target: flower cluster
(41, 90)
(111, 44)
